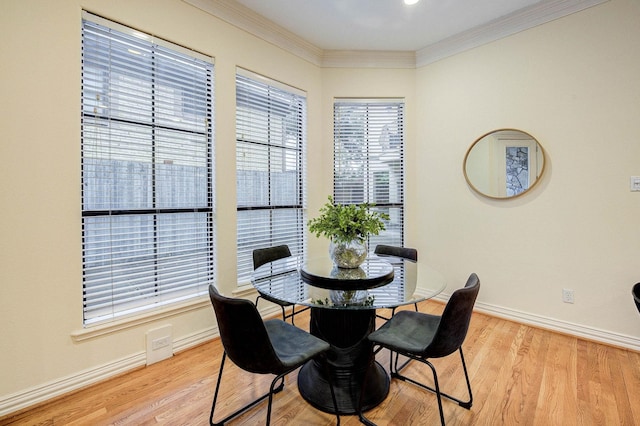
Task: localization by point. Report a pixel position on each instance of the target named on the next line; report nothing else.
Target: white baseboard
(588, 333)
(565, 327)
(41, 393)
(47, 391)
(195, 339)
(38, 394)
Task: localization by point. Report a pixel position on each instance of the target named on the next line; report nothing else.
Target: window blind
(369, 160)
(270, 164)
(147, 178)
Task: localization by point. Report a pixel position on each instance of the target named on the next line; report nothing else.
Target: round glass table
(343, 312)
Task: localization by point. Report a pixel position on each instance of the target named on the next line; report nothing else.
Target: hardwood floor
(519, 375)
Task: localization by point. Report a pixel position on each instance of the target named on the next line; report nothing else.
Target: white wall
(572, 83)
(40, 226)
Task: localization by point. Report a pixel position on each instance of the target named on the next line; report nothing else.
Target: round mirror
(504, 163)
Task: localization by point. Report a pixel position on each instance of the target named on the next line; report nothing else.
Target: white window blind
(147, 178)
(270, 164)
(369, 160)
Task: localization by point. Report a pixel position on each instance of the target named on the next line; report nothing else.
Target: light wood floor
(520, 375)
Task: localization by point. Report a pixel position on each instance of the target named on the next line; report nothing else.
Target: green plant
(346, 222)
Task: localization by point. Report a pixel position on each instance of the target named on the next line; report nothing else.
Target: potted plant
(347, 226)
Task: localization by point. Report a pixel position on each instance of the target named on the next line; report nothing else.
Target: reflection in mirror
(504, 163)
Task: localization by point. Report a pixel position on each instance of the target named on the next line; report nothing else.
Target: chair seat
(292, 345)
(407, 331)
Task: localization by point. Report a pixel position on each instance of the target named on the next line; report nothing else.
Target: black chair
(266, 255)
(636, 295)
(403, 252)
(262, 347)
(421, 336)
(396, 251)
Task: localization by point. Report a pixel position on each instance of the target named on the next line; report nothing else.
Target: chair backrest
(454, 322)
(243, 334)
(269, 254)
(404, 252)
(636, 295)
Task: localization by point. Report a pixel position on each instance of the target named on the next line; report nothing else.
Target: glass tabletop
(322, 273)
(381, 282)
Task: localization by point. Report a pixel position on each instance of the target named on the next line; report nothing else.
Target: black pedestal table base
(346, 330)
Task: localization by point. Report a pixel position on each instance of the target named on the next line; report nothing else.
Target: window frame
(172, 225)
(253, 92)
(348, 155)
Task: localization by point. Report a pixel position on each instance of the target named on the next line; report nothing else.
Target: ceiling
(382, 24)
(385, 32)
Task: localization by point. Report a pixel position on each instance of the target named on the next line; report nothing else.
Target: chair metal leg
(215, 395)
(466, 404)
(395, 373)
(294, 313)
(437, 390)
(284, 314)
(393, 312)
(396, 368)
(272, 390)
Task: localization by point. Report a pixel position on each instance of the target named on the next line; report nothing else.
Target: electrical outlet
(567, 295)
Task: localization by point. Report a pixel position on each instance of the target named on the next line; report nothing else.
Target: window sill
(130, 322)
(244, 290)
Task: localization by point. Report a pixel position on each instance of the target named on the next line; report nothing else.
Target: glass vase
(348, 297)
(348, 254)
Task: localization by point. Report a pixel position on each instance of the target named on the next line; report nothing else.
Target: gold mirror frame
(486, 160)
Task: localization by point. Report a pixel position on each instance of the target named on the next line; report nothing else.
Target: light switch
(635, 183)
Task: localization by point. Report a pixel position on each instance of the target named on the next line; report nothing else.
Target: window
(147, 178)
(270, 142)
(369, 160)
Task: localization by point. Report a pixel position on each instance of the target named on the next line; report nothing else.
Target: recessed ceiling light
(410, 2)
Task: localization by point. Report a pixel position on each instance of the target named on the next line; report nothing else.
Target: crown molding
(502, 27)
(368, 59)
(247, 20)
